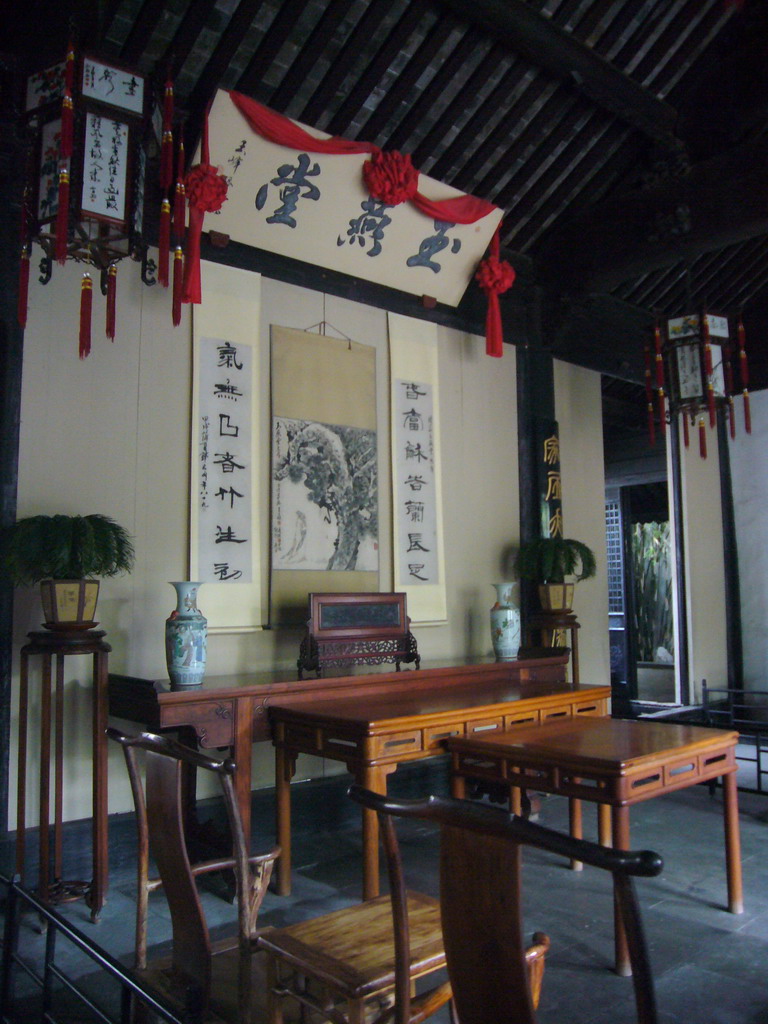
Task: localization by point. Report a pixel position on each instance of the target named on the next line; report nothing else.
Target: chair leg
(274, 1001)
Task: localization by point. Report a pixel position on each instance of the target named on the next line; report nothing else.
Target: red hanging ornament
(178, 285)
(747, 413)
(702, 438)
(179, 198)
(731, 417)
(495, 276)
(206, 192)
(686, 435)
(67, 107)
(23, 297)
(111, 300)
(166, 146)
(62, 217)
(649, 396)
(391, 177)
(86, 304)
(164, 243)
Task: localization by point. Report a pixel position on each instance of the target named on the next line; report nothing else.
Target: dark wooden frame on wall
(356, 629)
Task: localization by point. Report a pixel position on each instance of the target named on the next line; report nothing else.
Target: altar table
(231, 711)
(374, 732)
(615, 763)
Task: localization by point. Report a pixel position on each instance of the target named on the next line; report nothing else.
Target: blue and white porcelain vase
(505, 623)
(186, 638)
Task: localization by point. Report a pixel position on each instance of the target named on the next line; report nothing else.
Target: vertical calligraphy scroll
(419, 564)
(225, 521)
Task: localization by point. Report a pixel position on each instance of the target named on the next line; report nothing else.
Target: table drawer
(479, 726)
(521, 718)
(435, 737)
(596, 707)
(559, 711)
(397, 745)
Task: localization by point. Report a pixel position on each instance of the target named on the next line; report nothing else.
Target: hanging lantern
(86, 185)
(694, 375)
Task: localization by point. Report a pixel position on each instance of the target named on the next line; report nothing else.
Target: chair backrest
(160, 821)
(480, 858)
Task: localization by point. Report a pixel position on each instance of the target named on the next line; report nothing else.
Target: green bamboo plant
(652, 589)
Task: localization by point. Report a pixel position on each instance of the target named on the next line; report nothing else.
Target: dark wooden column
(11, 344)
(535, 402)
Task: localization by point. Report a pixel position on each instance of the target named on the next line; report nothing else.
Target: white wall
(578, 411)
(749, 474)
(111, 433)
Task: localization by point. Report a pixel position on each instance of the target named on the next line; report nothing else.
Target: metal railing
(747, 712)
(52, 983)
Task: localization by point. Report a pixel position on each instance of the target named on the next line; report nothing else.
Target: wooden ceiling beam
(720, 202)
(537, 39)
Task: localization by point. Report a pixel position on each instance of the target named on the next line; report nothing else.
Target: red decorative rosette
(495, 276)
(206, 192)
(391, 177)
(205, 188)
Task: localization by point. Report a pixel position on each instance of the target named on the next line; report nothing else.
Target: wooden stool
(548, 624)
(61, 644)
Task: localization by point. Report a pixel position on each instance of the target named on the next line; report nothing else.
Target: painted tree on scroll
(338, 468)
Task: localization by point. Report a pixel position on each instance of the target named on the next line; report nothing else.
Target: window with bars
(613, 544)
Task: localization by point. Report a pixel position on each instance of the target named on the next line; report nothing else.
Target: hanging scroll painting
(417, 515)
(225, 525)
(324, 470)
(314, 207)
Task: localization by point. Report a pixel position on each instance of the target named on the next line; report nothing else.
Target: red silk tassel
(743, 368)
(702, 438)
(180, 198)
(62, 217)
(111, 300)
(731, 417)
(686, 435)
(23, 299)
(747, 413)
(86, 305)
(164, 243)
(67, 127)
(649, 395)
(711, 403)
(178, 285)
(166, 148)
(662, 411)
(67, 107)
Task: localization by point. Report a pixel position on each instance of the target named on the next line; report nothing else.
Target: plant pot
(69, 604)
(556, 597)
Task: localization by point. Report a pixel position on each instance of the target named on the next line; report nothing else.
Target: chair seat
(352, 950)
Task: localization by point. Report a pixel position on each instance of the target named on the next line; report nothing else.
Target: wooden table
(231, 711)
(374, 731)
(615, 763)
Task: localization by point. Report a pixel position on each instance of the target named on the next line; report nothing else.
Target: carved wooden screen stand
(356, 629)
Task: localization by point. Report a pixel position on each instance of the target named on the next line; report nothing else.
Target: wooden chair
(360, 965)
(491, 973)
(209, 981)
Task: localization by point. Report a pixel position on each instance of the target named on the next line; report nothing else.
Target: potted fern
(556, 564)
(63, 554)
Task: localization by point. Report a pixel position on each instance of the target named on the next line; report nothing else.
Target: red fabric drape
(279, 129)
(495, 276)
(206, 191)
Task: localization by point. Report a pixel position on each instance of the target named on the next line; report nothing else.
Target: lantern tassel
(747, 413)
(67, 127)
(662, 411)
(702, 438)
(62, 217)
(731, 417)
(166, 147)
(23, 298)
(686, 435)
(86, 304)
(111, 300)
(180, 199)
(164, 243)
(178, 285)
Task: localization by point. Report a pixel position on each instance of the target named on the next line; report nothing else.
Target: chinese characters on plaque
(224, 499)
(105, 168)
(314, 207)
(415, 510)
(550, 486)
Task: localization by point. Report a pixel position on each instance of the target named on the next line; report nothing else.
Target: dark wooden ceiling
(625, 139)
